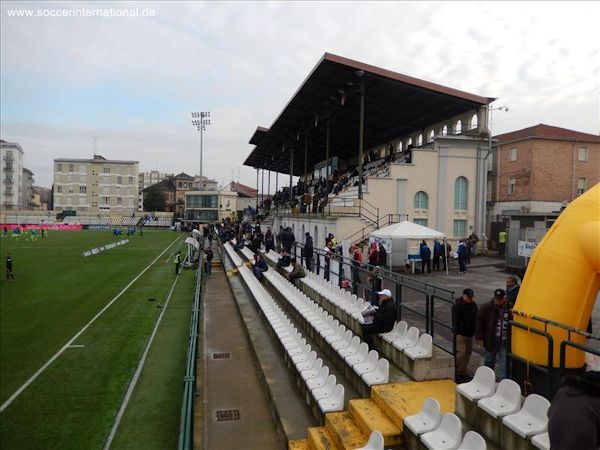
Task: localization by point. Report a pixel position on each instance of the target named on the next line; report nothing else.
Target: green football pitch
(72, 331)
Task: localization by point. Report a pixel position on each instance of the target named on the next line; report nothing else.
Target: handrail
(186, 427)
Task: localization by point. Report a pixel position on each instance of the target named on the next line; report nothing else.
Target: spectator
(574, 414)
(327, 261)
(512, 290)
(208, 261)
(308, 251)
(269, 240)
(446, 252)
(491, 331)
(502, 242)
(296, 273)
(462, 257)
(356, 263)
(437, 254)
(9, 267)
(464, 315)
(373, 255)
(384, 318)
(285, 259)
(382, 256)
(425, 255)
(260, 266)
(177, 262)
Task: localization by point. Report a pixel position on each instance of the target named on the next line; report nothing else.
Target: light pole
(200, 120)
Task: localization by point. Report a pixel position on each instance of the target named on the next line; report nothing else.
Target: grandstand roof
(543, 131)
(395, 105)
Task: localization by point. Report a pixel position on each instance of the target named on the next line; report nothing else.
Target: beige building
(210, 206)
(11, 185)
(147, 179)
(96, 185)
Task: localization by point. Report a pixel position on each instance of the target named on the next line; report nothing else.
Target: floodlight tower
(201, 120)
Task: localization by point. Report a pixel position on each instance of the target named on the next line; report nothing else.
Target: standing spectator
(462, 257)
(373, 256)
(9, 267)
(472, 241)
(208, 261)
(269, 240)
(260, 266)
(308, 251)
(296, 273)
(437, 254)
(512, 290)
(573, 416)
(177, 261)
(446, 252)
(425, 255)
(356, 263)
(464, 314)
(491, 331)
(384, 318)
(382, 256)
(502, 242)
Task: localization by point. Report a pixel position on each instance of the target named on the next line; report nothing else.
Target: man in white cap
(384, 318)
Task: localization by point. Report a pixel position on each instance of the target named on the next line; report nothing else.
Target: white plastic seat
(359, 357)
(351, 349)
(410, 339)
(315, 378)
(506, 400)
(541, 441)
(343, 342)
(423, 349)
(473, 441)
(301, 348)
(428, 419)
(304, 356)
(381, 374)
(375, 442)
(338, 335)
(369, 365)
(481, 386)
(334, 402)
(397, 333)
(447, 436)
(531, 419)
(325, 390)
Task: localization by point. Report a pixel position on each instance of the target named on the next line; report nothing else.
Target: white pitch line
(76, 346)
(19, 391)
(137, 373)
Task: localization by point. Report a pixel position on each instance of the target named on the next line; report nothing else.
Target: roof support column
(257, 169)
(327, 152)
(269, 184)
(262, 188)
(306, 157)
(361, 126)
(291, 172)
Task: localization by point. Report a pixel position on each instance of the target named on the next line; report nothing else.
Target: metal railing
(363, 233)
(186, 427)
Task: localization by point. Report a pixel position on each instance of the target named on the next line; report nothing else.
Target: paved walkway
(232, 407)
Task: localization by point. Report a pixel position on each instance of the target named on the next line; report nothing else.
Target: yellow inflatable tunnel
(561, 282)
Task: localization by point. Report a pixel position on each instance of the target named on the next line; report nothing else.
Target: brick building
(536, 172)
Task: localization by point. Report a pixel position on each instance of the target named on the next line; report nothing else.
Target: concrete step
(370, 417)
(344, 430)
(299, 444)
(406, 399)
(319, 438)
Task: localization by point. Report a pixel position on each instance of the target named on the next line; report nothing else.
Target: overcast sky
(133, 81)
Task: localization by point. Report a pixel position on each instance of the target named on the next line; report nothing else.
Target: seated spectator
(285, 259)
(260, 266)
(384, 318)
(297, 272)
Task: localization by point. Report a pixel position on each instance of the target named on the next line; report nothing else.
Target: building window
(419, 140)
(106, 169)
(458, 127)
(474, 122)
(119, 201)
(59, 189)
(130, 180)
(70, 189)
(59, 167)
(106, 200)
(82, 189)
(400, 147)
(71, 167)
(460, 228)
(581, 185)
(445, 130)
(409, 142)
(431, 136)
(512, 185)
(461, 186)
(119, 180)
(582, 154)
(421, 200)
(422, 222)
(512, 154)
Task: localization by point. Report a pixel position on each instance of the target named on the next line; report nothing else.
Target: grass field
(73, 402)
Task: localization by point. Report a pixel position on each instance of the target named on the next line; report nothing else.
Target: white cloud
(244, 60)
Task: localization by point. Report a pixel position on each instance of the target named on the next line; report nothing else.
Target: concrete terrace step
(344, 430)
(319, 438)
(370, 417)
(299, 444)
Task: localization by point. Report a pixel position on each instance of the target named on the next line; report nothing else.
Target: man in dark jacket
(425, 255)
(574, 415)
(384, 318)
(308, 251)
(297, 272)
(260, 266)
(269, 241)
(512, 290)
(462, 257)
(285, 259)
(437, 254)
(492, 330)
(382, 256)
(464, 315)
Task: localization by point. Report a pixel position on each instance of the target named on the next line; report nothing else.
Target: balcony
(7, 168)
(8, 158)
(8, 181)
(8, 192)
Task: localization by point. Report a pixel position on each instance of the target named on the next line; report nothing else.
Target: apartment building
(96, 185)
(147, 179)
(11, 186)
(27, 197)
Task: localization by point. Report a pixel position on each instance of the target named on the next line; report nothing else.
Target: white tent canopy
(407, 230)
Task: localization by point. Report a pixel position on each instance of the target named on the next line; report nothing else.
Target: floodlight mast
(201, 120)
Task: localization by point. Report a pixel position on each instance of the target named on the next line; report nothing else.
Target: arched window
(431, 136)
(316, 237)
(400, 147)
(461, 187)
(420, 140)
(421, 200)
(409, 142)
(458, 127)
(474, 122)
(445, 130)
